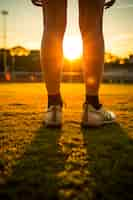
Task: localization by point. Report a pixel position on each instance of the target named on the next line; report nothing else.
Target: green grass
(71, 163)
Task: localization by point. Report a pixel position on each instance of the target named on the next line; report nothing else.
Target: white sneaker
(53, 117)
(92, 117)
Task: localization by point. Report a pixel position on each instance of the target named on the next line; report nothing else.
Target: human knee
(93, 36)
(55, 17)
(91, 17)
(57, 26)
(92, 27)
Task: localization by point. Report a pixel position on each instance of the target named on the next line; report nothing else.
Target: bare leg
(90, 21)
(51, 51)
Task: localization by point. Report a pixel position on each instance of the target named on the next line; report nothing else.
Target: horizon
(118, 29)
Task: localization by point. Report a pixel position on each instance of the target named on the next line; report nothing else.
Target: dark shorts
(39, 2)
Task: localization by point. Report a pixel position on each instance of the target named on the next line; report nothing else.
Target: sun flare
(72, 47)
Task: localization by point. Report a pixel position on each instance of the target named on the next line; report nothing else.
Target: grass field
(70, 163)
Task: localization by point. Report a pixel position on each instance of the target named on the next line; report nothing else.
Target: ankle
(55, 99)
(93, 100)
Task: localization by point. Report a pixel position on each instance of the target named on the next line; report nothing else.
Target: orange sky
(24, 25)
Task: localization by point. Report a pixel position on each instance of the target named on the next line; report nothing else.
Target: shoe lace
(106, 114)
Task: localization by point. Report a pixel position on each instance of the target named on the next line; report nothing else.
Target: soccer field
(71, 163)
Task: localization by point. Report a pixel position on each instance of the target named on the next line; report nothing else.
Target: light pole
(4, 14)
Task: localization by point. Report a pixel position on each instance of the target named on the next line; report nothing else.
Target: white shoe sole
(96, 124)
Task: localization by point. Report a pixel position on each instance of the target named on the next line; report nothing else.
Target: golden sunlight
(72, 47)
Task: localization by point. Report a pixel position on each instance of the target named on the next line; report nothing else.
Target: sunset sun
(72, 47)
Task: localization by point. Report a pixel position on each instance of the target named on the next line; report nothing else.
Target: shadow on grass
(93, 164)
(110, 152)
(34, 175)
